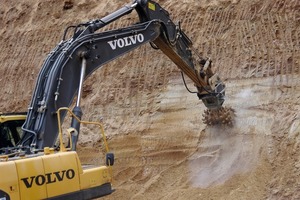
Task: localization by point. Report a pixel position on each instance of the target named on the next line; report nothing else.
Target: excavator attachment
(212, 93)
(219, 116)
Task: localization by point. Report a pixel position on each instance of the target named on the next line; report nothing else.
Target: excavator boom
(74, 59)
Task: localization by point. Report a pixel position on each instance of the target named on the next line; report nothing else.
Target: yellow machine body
(53, 176)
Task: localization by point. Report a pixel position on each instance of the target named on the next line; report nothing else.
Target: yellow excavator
(39, 167)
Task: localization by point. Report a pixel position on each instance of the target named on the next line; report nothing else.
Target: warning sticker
(151, 6)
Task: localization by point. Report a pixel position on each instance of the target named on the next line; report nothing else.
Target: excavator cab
(11, 128)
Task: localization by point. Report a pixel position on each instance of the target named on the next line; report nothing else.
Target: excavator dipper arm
(174, 43)
(74, 59)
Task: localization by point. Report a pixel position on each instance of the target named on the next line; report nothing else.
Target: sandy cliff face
(162, 148)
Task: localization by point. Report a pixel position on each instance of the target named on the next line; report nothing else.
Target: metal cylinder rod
(113, 16)
(82, 75)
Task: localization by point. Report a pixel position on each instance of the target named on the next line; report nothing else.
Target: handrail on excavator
(62, 146)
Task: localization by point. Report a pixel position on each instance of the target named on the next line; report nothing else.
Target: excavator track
(220, 116)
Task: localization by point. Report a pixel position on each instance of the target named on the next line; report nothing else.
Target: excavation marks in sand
(178, 152)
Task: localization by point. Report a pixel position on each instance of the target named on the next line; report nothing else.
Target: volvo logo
(48, 178)
(126, 41)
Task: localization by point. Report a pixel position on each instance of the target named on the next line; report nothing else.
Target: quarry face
(154, 126)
